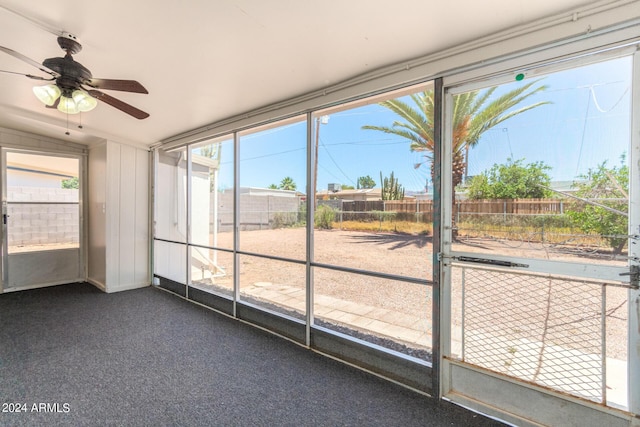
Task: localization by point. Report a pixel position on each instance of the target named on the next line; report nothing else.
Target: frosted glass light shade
(68, 105)
(47, 94)
(84, 101)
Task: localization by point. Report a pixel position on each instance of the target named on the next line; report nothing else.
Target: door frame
(65, 254)
(492, 393)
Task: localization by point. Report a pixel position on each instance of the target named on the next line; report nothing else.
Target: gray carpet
(148, 358)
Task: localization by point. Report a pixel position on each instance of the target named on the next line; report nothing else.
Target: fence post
(268, 209)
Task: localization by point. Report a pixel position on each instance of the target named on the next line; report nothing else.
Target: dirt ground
(411, 256)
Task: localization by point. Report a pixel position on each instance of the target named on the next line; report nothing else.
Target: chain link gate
(546, 330)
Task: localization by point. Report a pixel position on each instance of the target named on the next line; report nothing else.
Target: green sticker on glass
(519, 77)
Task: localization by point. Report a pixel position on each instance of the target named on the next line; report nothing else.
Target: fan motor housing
(72, 73)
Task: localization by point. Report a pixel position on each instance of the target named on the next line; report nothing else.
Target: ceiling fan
(74, 89)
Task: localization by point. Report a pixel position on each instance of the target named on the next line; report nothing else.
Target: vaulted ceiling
(203, 60)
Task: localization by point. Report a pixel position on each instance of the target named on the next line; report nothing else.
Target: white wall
(97, 172)
(118, 217)
(171, 198)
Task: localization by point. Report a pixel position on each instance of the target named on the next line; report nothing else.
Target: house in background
(365, 194)
(39, 171)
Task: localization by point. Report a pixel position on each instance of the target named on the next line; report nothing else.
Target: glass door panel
(41, 219)
(539, 176)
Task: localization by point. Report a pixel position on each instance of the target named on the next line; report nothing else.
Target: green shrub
(324, 217)
(284, 219)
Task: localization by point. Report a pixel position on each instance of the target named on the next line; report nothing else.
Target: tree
(71, 183)
(606, 187)
(365, 182)
(272, 187)
(391, 188)
(212, 151)
(511, 180)
(347, 187)
(288, 183)
(473, 114)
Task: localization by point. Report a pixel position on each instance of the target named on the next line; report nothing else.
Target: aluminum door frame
(51, 274)
(494, 394)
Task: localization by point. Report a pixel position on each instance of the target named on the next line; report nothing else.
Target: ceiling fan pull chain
(67, 132)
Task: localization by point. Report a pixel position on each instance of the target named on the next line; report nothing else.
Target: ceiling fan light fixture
(47, 94)
(68, 105)
(84, 102)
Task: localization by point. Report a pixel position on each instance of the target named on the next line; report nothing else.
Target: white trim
(40, 285)
(633, 341)
(21, 140)
(97, 284)
(128, 287)
(504, 387)
(538, 65)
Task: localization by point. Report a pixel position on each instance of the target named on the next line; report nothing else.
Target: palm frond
(413, 117)
(411, 136)
(497, 110)
(473, 114)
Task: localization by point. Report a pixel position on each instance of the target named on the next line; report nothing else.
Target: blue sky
(586, 123)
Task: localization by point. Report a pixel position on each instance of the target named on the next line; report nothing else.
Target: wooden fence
(513, 206)
(506, 206)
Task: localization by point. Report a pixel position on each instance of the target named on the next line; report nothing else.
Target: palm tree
(471, 118)
(287, 183)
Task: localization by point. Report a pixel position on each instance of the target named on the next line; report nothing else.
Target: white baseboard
(97, 284)
(126, 287)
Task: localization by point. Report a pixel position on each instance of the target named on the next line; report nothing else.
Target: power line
(508, 141)
(329, 172)
(335, 163)
(272, 154)
(584, 128)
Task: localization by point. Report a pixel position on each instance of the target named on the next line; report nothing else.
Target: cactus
(391, 188)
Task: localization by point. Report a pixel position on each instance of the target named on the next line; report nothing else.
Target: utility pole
(319, 120)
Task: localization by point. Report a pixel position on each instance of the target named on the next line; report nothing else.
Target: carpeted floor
(148, 358)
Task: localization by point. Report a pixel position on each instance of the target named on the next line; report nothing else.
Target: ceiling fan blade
(31, 76)
(29, 61)
(110, 84)
(120, 105)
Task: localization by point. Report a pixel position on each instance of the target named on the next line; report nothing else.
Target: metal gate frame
(520, 402)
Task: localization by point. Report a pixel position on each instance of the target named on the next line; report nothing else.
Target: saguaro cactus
(391, 188)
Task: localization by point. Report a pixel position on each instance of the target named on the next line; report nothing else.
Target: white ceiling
(206, 60)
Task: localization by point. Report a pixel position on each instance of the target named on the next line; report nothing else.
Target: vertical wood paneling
(126, 216)
(141, 273)
(113, 216)
(97, 172)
